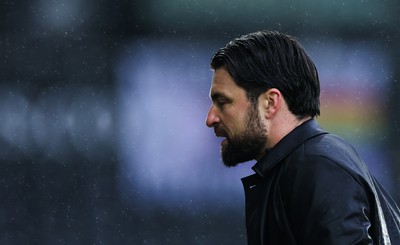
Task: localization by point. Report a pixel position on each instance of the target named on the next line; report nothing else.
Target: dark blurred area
(102, 108)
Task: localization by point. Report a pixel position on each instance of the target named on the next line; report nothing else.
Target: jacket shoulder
(336, 150)
(322, 154)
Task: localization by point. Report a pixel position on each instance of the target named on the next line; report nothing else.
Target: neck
(282, 126)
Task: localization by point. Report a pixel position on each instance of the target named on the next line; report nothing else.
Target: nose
(212, 117)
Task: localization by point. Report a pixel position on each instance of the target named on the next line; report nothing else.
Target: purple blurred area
(103, 105)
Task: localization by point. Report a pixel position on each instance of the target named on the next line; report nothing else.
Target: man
(309, 186)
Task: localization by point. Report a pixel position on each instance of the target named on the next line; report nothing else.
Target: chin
(233, 161)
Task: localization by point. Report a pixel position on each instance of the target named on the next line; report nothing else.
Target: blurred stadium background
(103, 103)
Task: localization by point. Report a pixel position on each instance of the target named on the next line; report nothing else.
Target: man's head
(264, 83)
(263, 60)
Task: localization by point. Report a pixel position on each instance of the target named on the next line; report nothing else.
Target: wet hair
(267, 59)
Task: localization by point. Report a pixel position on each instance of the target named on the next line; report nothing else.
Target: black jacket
(313, 188)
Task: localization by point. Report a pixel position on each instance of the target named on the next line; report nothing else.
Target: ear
(271, 102)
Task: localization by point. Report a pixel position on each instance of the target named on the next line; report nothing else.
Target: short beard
(246, 145)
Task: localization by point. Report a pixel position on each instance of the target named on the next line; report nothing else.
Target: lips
(220, 132)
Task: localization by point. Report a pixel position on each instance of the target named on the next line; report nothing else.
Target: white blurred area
(57, 125)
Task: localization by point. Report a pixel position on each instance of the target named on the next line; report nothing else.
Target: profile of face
(233, 116)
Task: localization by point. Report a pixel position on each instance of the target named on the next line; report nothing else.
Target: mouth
(221, 134)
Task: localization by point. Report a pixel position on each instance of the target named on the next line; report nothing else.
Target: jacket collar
(288, 144)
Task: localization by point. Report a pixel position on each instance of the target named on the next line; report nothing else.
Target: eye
(221, 102)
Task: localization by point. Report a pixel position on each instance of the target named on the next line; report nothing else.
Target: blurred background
(103, 103)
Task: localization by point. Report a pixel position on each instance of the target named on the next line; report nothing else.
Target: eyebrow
(216, 95)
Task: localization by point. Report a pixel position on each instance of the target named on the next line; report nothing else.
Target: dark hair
(262, 60)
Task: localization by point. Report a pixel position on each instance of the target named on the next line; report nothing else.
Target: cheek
(235, 119)
(240, 123)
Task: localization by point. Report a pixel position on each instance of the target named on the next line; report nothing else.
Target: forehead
(223, 84)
